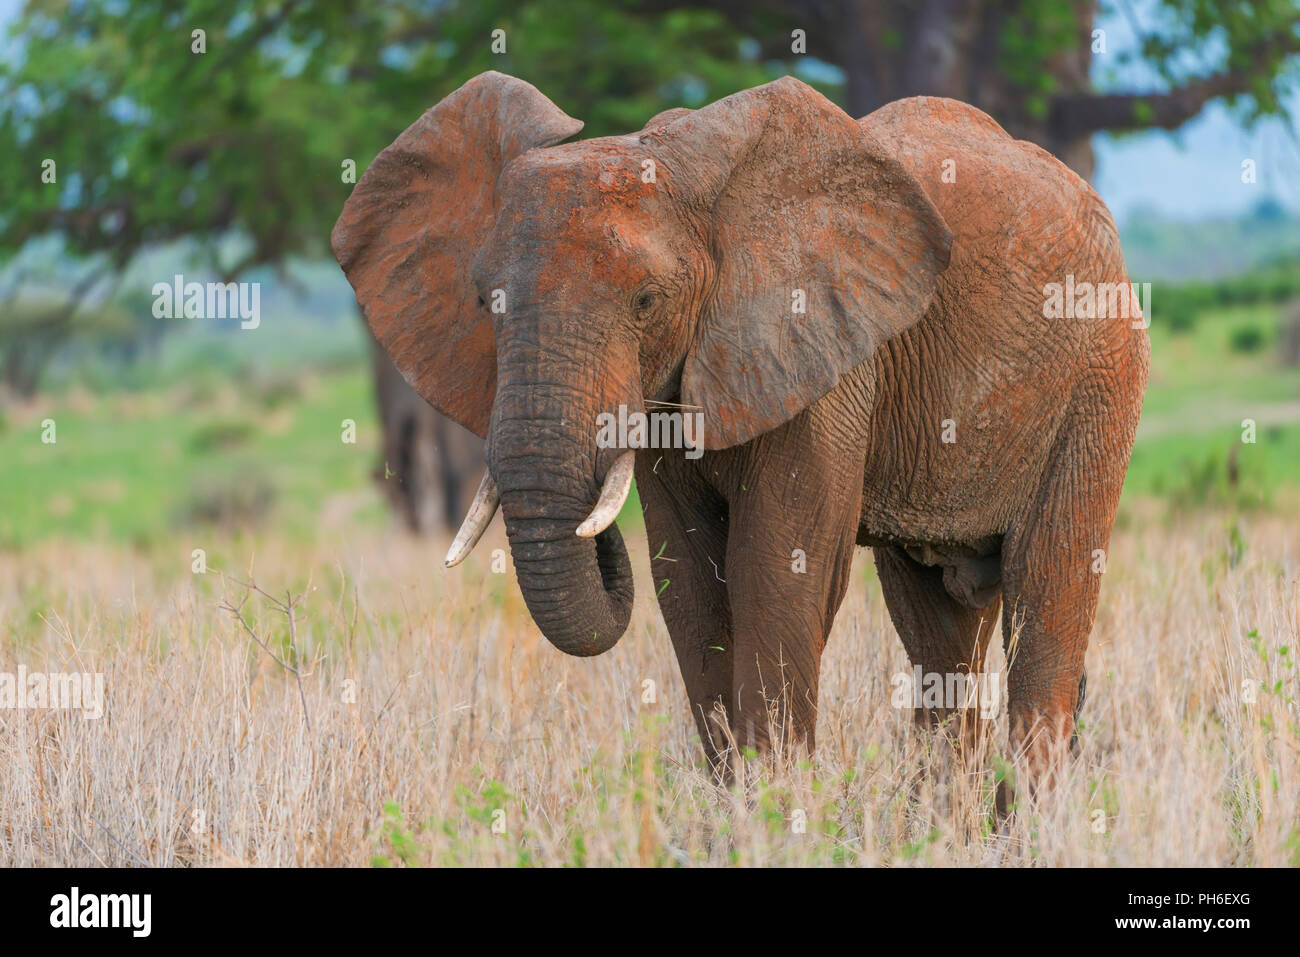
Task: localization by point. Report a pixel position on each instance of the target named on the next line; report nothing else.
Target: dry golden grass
(429, 703)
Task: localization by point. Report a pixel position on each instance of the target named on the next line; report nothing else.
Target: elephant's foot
(1045, 744)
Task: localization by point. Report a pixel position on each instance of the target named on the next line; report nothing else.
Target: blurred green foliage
(154, 142)
(34, 331)
(1190, 451)
(1180, 305)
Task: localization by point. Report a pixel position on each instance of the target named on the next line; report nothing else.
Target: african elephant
(859, 312)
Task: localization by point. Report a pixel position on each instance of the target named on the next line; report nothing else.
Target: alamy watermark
(179, 299)
(1098, 300)
(655, 430)
(129, 911)
(947, 690)
(53, 691)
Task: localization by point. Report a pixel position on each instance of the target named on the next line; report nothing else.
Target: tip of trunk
(578, 591)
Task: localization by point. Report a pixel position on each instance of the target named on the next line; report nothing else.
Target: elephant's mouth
(487, 500)
(579, 596)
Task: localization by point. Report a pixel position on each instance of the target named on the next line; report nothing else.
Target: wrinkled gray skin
(825, 428)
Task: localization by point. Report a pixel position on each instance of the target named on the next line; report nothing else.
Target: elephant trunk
(578, 589)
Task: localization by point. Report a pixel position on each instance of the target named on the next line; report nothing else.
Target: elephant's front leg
(795, 499)
(686, 529)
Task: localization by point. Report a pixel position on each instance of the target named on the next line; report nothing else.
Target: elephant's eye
(645, 301)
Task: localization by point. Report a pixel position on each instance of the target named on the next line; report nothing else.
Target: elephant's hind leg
(1052, 565)
(944, 637)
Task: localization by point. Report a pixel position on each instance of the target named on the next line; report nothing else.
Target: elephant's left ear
(826, 247)
(408, 234)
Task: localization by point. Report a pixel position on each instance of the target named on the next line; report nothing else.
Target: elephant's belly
(961, 499)
(972, 515)
(960, 435)
(972, 573)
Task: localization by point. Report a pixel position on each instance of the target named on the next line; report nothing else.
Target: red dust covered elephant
(865, 316)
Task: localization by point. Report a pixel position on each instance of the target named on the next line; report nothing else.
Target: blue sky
(1194, 172)
(1191, 174)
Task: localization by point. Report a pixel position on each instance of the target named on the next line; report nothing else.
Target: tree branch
(1076, 115)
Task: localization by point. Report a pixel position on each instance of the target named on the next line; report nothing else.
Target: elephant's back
(1023, 223)
(981, 179)
(930, 112)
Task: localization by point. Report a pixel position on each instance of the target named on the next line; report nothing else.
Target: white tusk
(477, 519)
(618, 482)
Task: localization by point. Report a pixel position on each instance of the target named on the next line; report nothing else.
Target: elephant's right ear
(413, 224)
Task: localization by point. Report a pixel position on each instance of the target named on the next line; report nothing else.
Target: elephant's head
(739, 259)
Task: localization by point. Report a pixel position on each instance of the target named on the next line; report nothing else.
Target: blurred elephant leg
(431, 466)
(686, 529)
(409, 470)
(1052, 565)
(795, 504)
(460, 467)
(942, 635)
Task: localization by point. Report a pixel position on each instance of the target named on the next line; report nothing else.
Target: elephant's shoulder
(979, 176)
(931, 113)
(922, 129)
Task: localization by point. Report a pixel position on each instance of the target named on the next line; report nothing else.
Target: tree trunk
(952, 48)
